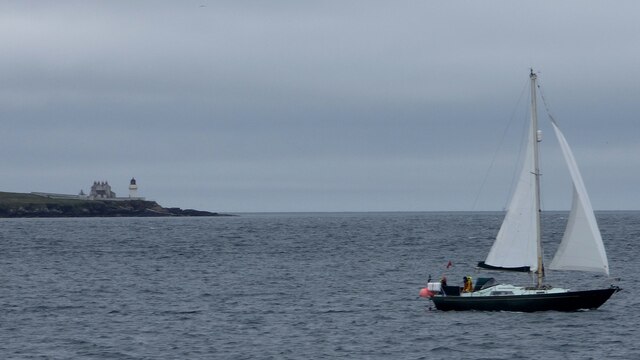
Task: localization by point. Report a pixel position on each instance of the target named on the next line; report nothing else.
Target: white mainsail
(516, 243)
(581, 247)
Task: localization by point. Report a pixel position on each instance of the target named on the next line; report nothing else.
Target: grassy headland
(13, 205)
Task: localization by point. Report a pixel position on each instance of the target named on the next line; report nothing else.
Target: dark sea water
(290, 286)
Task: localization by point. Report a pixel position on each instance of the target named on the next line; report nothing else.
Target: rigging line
(546, 109)
(495, 154)
(523, 144)
(546, 106)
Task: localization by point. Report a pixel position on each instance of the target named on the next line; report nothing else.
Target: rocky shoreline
(19, 205)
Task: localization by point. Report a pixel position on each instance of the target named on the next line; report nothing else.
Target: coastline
(23, 205)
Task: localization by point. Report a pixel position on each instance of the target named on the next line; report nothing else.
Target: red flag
(450, 264)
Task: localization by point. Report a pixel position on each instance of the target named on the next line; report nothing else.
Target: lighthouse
(133, 189)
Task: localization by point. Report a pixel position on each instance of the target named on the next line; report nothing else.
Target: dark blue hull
(569, 301)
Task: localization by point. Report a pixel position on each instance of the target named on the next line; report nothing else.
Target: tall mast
(536, 173)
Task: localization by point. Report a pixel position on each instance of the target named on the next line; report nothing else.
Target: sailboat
(518, 245)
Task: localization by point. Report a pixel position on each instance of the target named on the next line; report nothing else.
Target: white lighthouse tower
(133, 189)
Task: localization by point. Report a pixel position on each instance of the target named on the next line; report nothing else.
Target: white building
(133, 189)
(101, 190)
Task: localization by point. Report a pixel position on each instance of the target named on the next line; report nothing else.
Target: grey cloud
(296, 106)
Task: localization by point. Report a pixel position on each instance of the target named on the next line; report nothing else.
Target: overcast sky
(238, 106)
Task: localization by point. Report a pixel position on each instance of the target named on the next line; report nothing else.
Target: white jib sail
(581, 247)
(516, 243)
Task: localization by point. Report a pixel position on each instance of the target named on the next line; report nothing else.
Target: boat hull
(568, 301)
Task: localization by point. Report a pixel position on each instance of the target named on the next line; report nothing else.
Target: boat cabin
(481, 284)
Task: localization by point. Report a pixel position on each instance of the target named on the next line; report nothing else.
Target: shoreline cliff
(21, 205)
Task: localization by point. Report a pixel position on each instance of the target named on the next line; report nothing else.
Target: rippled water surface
(290, 286)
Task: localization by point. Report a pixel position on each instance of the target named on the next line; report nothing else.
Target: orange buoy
(426, 293)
